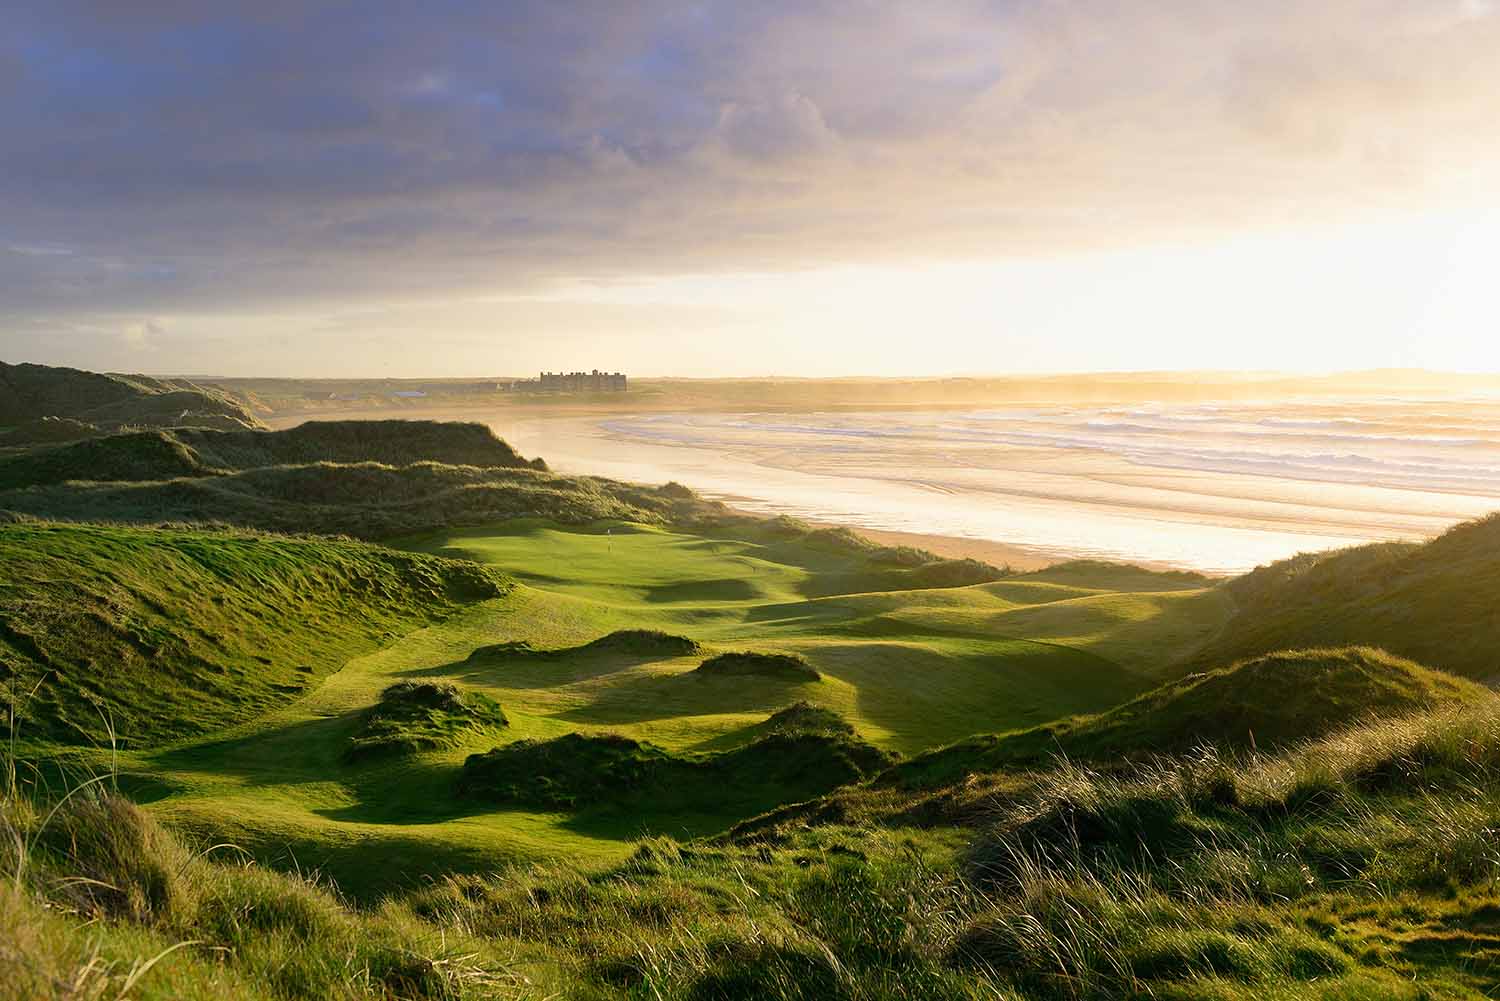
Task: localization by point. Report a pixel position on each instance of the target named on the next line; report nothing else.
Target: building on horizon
(573, 382)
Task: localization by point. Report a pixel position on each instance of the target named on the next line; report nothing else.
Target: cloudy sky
(855, 187)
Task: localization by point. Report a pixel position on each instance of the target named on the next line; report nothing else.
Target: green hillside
(603, 637)
(30, 393)
(1360, 866)
(132, 456)
(617, 775)
(366, 500)
(1267, 702)
(392, 442)
(1434, 603)
(159, 455)
(160, 633)
(567, 737)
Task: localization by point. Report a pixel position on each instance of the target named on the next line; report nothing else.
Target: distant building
(409, 394)
(573, 382)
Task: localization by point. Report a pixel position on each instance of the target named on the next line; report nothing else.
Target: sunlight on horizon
(1412, 291)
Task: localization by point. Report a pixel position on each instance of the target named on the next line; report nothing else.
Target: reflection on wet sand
(1216, 488)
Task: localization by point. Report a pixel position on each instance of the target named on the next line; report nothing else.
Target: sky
(786, 187)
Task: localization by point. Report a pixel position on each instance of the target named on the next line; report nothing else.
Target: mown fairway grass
(910, 670)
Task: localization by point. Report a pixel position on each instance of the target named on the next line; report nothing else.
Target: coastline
(1029, 503)
(1000, 554)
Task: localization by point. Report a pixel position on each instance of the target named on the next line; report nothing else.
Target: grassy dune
(570, 737)
(1433, 602)
(1268, 702)
(29, 393)
(552, 656)
(158, 634)
(171, 453)
(1359, 866)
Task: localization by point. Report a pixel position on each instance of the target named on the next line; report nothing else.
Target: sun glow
(1411, 291)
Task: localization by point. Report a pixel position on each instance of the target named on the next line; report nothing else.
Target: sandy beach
(1214, 488)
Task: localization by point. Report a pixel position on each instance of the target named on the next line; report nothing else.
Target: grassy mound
(392, 442)
(1361, 867)
(785, 666)
(163, 633)
(145, 456)
(654, 644)
(643, 643)
(1266, 702)
(617, 773)
(47, 430)
(366, 500)
(1433, 603)
(804, 717)
(32, 392)
(1102, 575)
(1118, 879)
(132, 457)
(415, 716)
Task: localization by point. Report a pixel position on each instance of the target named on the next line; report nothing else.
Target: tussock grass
(366, 500)
(422, 716)
(783, 666)
(579, 772)
(804, 717)
(1431, 602)
(165, 632)
(34, 392)
(1203, 876)
(1265, 703)
(639, 643)
(108, 905)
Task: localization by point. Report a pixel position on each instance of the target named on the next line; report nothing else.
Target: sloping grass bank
(1360, 866)
(159, 633)
(1432, 602)
(1264, 703)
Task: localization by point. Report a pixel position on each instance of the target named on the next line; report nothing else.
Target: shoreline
(957, 547)
(1000, 554)
(991, 551)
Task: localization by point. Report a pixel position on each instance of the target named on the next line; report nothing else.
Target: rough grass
(156, 634)
(101, 903)
(637, 643)
(1267, 702)
(782, 666)
(804, 717)
(610, 772)
(46, 430)
(167, 454)
(1219, 867)
(1149, 885)
(276, 785)
(1431, 602)
(34, 392)
(422, 716)
(366, 500)
(133, 456)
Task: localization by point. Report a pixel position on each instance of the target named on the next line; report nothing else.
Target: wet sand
(1214, 488)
